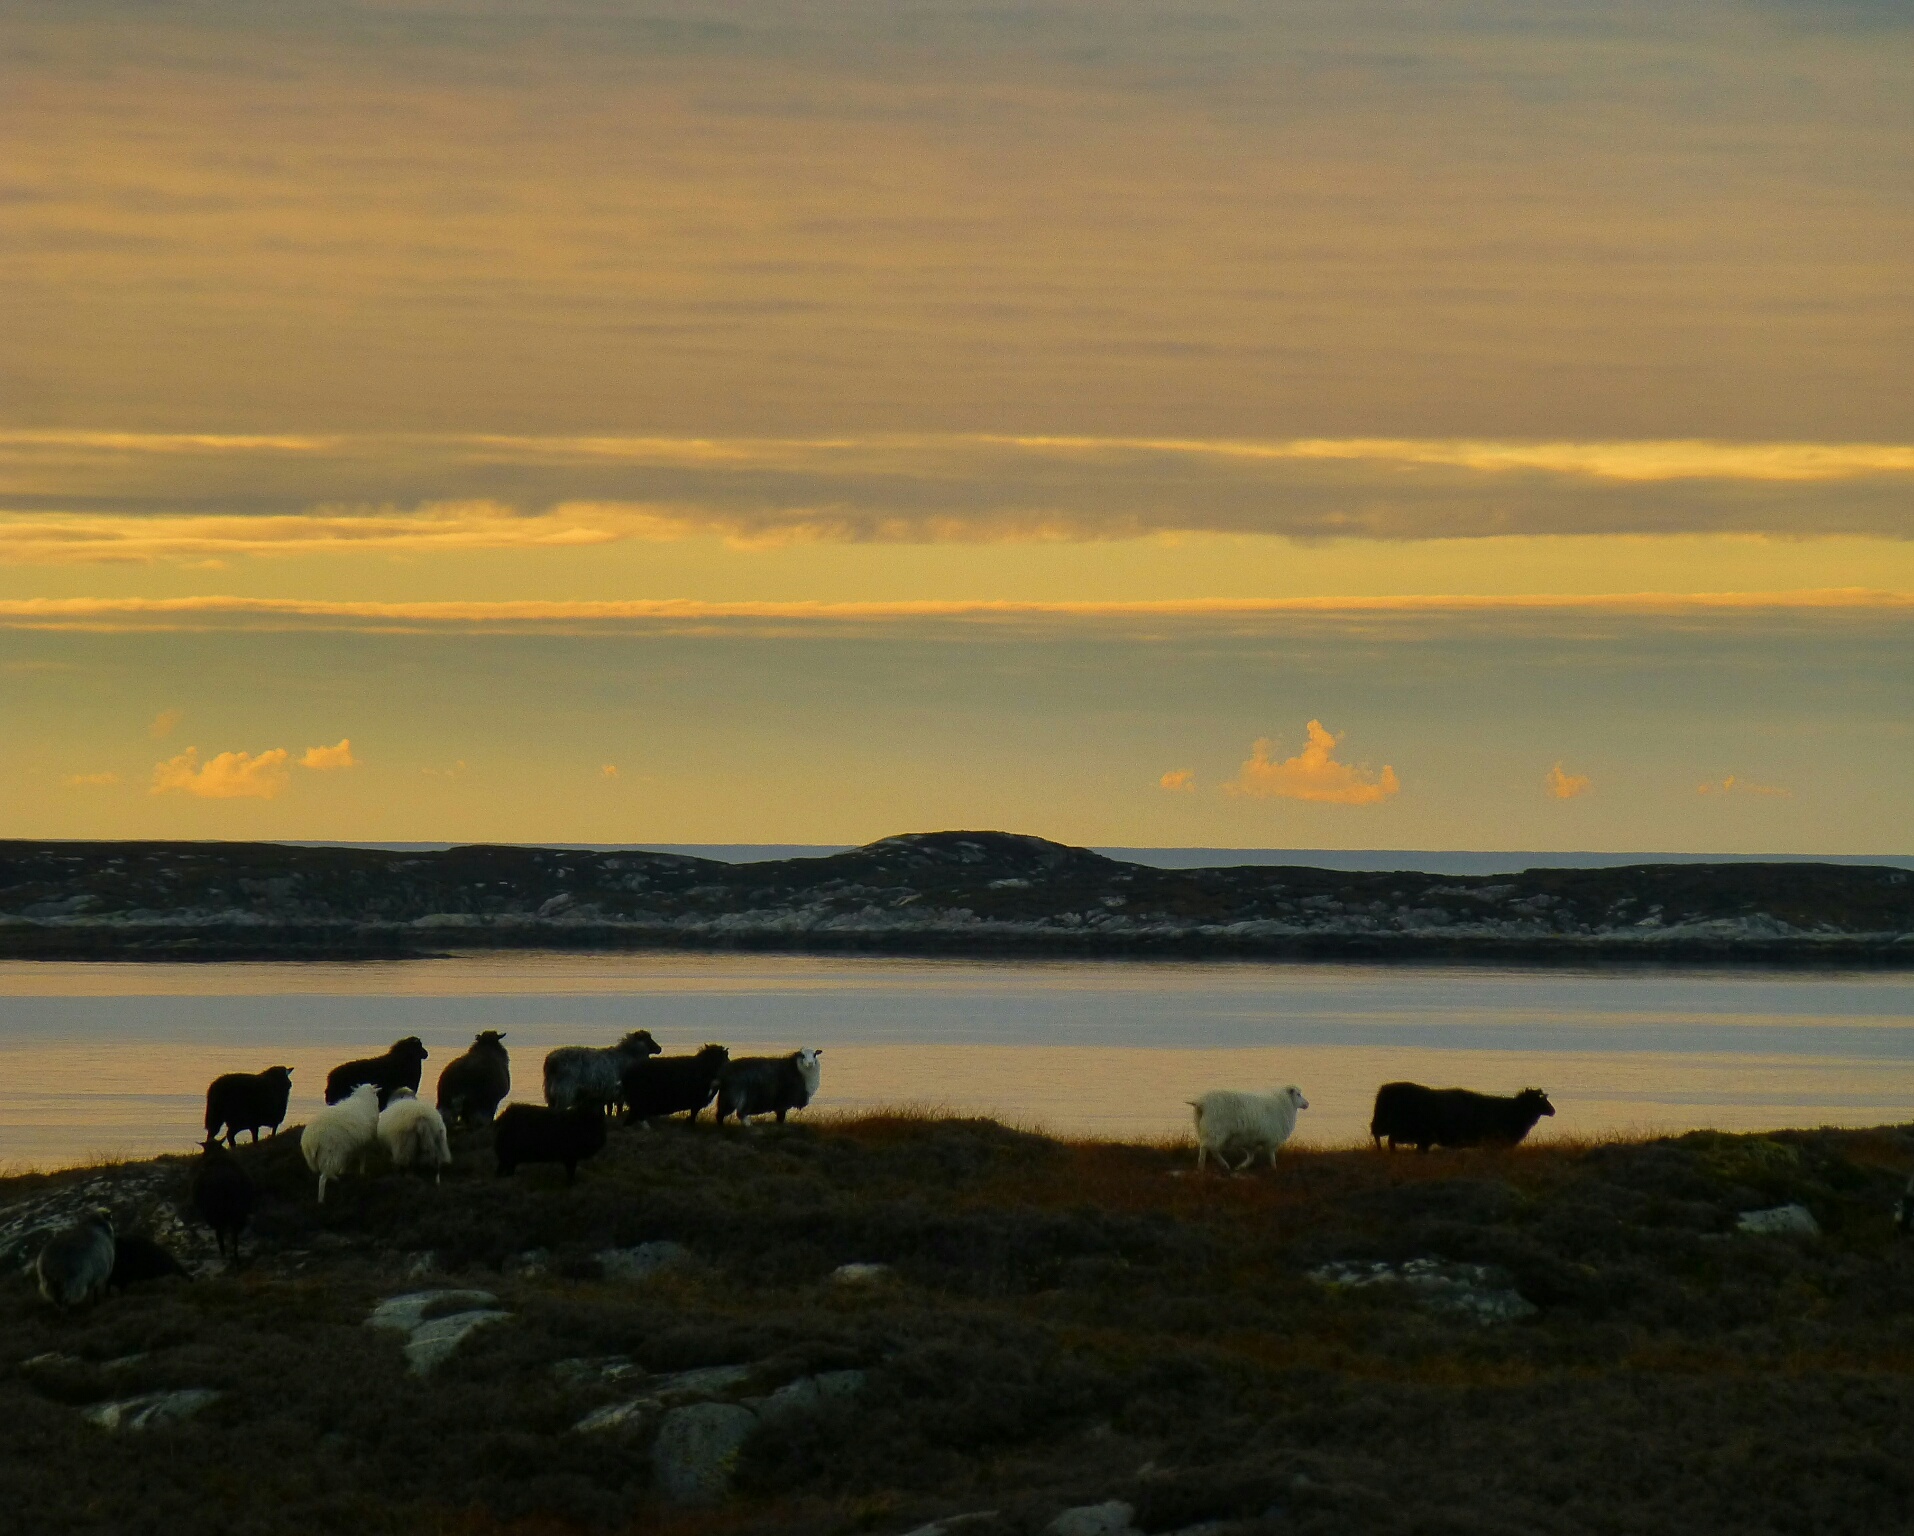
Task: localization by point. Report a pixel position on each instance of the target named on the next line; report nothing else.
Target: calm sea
(113, 1059)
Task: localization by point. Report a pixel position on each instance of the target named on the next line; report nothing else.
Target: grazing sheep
(1228, 1121)
(398, 1068)
(665, 1085)
(768, 1085)
(77, 1263)
(412, 1133)
(587, 1074)
(138, 1259)
(532, 1133)
(244, 1101)
(473, 1085)
(223, 1195)
(1454, 1117)
(340, 1136)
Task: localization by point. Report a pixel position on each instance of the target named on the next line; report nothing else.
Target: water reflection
(114, 1059)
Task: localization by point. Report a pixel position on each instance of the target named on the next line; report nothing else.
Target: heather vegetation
(1058, 1324)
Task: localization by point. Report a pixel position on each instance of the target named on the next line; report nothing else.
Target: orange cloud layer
(326, 758)
(1179, 778)
(229, 776)
(1566, 786)
(1312, 774)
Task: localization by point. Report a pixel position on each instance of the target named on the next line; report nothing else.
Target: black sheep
(535, 1133)
(223, 1195)
(398, 1068)
(1454, 1117)
(244, 1101)
(140, 1258)
(472, 1086)
(666, 1085)
(767, 1085)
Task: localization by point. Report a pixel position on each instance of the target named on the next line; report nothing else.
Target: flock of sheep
(372, 1105)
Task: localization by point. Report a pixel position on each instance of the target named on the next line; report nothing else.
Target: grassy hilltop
(1062, 1323)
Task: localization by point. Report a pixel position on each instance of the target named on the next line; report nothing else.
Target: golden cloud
(1312, 774)
(1179, 778)
(324, 759)
(229, 776)
(608, 770)
(1566, 786)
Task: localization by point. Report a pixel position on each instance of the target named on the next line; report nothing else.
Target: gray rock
(632, 1415)
(133, 1414)
(433, 1343)
(405, 1313)
(1110, 1519)
(1473, 1291)
(953, 1523)
(810, 1393)
(860, 1274)
(1780, 1221)
(689, 1386)
(642, 1262)
(582, 1371)
(696, 1452)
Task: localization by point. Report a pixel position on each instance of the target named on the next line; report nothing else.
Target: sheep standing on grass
(587, 1074)
(667, 1085)
(1228, 1122)
(341, 1136)
(532, 1133)
(768, 1085)
(473, 1085)
(1454, 1117)
(76, 1264)
(244, 1101)
(400, 1067)
(412, 1133)
(223, 1195)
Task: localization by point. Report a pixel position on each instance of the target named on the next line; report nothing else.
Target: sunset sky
(1324, 424)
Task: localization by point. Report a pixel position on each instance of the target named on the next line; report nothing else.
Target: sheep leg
(1202, 1152)
(322, 1189)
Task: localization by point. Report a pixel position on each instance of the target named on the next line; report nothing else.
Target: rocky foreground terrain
(891, 1325)
(943, 892)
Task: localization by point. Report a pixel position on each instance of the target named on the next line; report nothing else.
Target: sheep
(533, 1133)
(340, 1136)
(1453, 1117)
(413, 1134)
(223, 1195)
(398, 1068)
(664, 1085)
(244, 1101)
(1227, 1120)
(768, 1085)
(137, 1259)
(472, 1085)
(76, 1264)
(586, 1074)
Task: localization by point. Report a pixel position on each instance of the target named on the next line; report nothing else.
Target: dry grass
(1071, 1321)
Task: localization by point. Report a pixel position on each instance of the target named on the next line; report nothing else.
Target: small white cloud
(1564, 785)
(324, 759)
(1312, 774)
(229, 776)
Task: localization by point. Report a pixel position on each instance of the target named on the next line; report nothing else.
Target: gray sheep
(768, 1085)
(76, 1264)
(585, 1074)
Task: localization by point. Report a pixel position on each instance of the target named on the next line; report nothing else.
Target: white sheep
(413, 1133)
(1252, 1122)
(340, 1136)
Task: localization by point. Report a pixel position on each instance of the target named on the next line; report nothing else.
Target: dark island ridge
(939, 893)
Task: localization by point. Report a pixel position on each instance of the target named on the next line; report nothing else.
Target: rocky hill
(940, 892)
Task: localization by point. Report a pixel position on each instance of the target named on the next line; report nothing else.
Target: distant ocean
(1442, 861)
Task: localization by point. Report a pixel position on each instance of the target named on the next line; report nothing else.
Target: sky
(1339, 424)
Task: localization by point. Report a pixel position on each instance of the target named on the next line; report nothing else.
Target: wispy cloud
(1567, 786)
(1312, 774)
(1734, 785)
(117, 497)
(325, 759)
(90, 780)
(163, 723)
(608, 771)
(1182, 779)
(229, 776)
